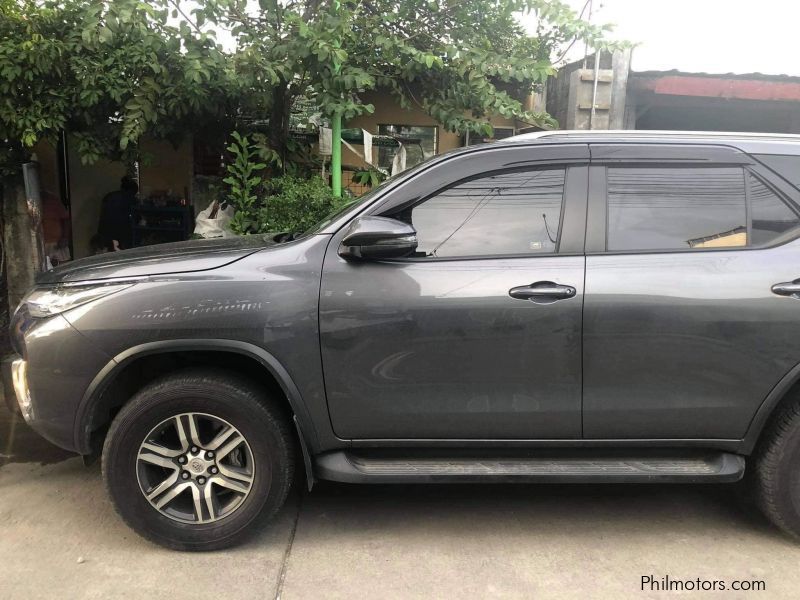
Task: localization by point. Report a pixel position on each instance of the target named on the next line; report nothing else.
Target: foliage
(459, 60)
(369, 177)
(285, 203)
(298, 158)
(108, 72)
(295, 205)
(242, 182)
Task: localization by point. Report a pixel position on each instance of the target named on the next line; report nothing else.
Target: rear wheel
(196, 458)
(776, 481)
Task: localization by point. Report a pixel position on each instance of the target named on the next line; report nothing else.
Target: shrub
(283, 203)
(294, 204)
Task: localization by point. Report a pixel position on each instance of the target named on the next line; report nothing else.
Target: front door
(478, 336)
(684, 336)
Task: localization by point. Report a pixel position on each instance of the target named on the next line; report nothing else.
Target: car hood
(159, 259)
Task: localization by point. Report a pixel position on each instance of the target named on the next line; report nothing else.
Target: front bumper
(19, 378)
(56, 366)
(9, 395)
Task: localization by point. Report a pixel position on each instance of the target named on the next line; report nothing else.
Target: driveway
(60, 537)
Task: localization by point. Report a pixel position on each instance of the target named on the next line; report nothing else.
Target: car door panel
(438, 349)
(687, 343)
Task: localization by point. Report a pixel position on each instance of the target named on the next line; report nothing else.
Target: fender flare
(767, 407)
(115, 366)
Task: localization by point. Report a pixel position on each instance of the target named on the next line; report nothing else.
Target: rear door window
(692, 208)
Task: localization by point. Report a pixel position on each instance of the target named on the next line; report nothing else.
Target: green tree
(106, 72)
(459, 60)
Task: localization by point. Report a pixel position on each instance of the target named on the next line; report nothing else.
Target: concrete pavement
(387, 541)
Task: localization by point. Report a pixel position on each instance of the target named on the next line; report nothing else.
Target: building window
(425, 144)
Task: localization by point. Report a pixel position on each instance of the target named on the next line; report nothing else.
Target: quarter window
(771, 216)
(502, 214)
(676, 208)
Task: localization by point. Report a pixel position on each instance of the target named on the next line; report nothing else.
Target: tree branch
(177, 5)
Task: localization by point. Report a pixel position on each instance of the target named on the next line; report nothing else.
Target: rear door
(469, 339)
(683, 334)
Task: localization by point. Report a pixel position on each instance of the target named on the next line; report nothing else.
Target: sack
(213, 222)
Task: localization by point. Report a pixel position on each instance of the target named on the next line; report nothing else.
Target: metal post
(336, 134)
(336, 155)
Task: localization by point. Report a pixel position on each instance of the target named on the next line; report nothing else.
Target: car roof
(765, 143)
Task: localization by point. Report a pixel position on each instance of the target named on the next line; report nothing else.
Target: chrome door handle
(788, 288)
(542, 292)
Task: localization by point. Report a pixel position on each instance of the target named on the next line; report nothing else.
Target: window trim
(597, 219)
(404, 189)
(575, 176)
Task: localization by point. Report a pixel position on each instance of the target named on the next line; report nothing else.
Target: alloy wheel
(195, 468)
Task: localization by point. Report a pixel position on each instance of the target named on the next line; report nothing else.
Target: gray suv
(561, 307)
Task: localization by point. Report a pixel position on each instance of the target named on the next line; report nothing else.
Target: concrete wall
(572, 92)
(165, 167)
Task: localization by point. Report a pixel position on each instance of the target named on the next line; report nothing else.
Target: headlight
(46, 302)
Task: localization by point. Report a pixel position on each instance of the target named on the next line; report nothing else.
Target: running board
(707, 467)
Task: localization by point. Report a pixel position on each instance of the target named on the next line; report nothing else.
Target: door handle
(787, 288)
(542, 292)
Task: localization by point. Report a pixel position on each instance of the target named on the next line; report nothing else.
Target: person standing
(116, 213)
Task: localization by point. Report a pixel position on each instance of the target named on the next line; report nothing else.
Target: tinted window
(771, 216)
(508, 213)
(676, 208)
(787, 167)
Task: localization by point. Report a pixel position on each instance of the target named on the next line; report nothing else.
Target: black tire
(776, 480)
(236, 400)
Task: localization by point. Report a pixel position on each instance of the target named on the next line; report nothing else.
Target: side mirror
(378, 237)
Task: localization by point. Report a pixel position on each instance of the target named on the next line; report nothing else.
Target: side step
(704, 467)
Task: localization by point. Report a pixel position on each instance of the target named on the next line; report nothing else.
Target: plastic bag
(213, 222)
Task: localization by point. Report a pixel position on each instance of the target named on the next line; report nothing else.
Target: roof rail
(645, 133)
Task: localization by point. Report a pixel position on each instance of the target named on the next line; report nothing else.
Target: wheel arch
(786, 390)
(98, 399)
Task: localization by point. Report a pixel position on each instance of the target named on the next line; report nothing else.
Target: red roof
(743, 87)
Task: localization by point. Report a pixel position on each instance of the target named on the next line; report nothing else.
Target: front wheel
(196, 458)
